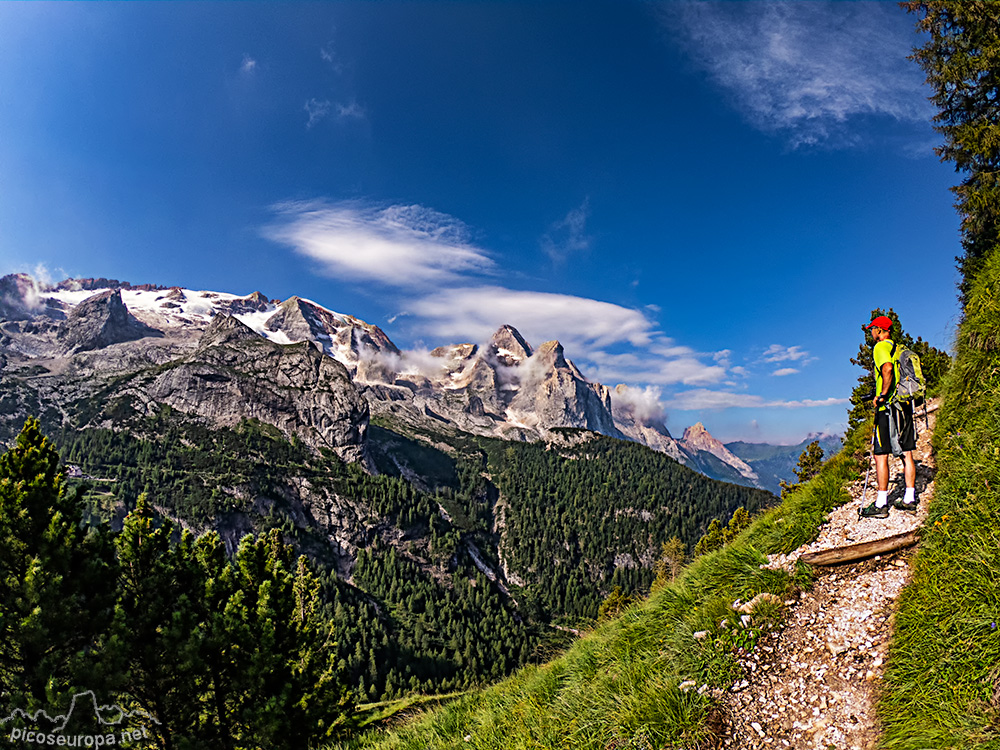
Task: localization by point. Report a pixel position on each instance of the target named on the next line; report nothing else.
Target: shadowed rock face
(234, 374)
(100, 321)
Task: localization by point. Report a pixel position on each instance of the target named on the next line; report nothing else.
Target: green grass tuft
(618, 687)
(942, 686)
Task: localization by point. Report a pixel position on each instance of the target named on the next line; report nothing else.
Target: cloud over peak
(403, 246)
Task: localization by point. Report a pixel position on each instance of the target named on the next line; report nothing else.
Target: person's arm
(882, 398)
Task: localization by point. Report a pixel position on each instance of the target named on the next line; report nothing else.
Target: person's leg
(882, 479)
(909, 470)
(882, 473)
(881, 449)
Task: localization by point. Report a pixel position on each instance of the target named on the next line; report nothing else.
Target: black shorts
(907, 430)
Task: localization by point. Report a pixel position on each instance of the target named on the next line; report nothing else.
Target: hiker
(886, 409)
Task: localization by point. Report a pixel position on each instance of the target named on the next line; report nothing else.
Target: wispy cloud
(569, 234)
(805, 69)
(707, 400)
(576, 321)
(351, 111)
(781, 372)
(780, 353)
(656, 364)
(316, 110)
(329, 55)
(447, 291)
(249, 65)
(409, 247)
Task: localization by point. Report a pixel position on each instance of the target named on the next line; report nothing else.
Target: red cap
(881, 322)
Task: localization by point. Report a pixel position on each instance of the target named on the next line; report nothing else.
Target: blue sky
(700, 200)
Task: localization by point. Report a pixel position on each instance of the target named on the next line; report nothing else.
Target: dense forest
(209, 562)
(581, 520)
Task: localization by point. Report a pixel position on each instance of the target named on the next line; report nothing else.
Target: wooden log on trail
(850, 553)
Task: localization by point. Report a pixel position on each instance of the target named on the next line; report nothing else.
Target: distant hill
(774, 463)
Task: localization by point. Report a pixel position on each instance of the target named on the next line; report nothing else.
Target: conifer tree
(157, 632)
(962, 63)
(55, 578)
(670, 562)
(808, 466)
(275, 660)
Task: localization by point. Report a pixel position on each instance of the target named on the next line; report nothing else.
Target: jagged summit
(503, 388)
(696, 435)
(225, 329)
(551, 353)
(509, 346)
(99, 321)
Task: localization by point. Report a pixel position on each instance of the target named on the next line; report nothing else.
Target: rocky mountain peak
(225, 329)
(697, 433)
(551, 355)
(99, 321)
(509, 346)
(698, 440)
(294, 318)
(256, 302)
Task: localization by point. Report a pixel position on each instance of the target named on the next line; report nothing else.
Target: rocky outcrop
(236, 374)
(100, 321)
(255, 302)
(554, 392)
(102, 283)
(712, 458)
(508, 346)
(363, 348)
(645, 429)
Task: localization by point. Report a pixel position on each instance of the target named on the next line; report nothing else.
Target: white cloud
(645, 404)
(328, 53)
(569, 234)
(351, 111)
(652, 366)
(411, 247)
(316, 110)
(248, 65)
(784, 371)
(707, 400)
(805, 69)
(779, 353)
(581, 324)
(440, 278)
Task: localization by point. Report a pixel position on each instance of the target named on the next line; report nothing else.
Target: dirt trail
(815, 683)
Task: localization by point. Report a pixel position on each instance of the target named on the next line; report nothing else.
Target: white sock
(882, 499)
(909, 497)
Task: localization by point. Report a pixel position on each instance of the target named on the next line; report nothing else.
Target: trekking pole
(871, 460)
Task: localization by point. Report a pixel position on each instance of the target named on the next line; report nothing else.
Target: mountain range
(456, 501)
(227, 357)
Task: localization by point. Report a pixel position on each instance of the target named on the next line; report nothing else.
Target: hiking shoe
(898, 504)
(873, 511)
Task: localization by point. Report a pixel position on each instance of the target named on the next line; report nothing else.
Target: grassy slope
(618, 687)
(943, 682)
